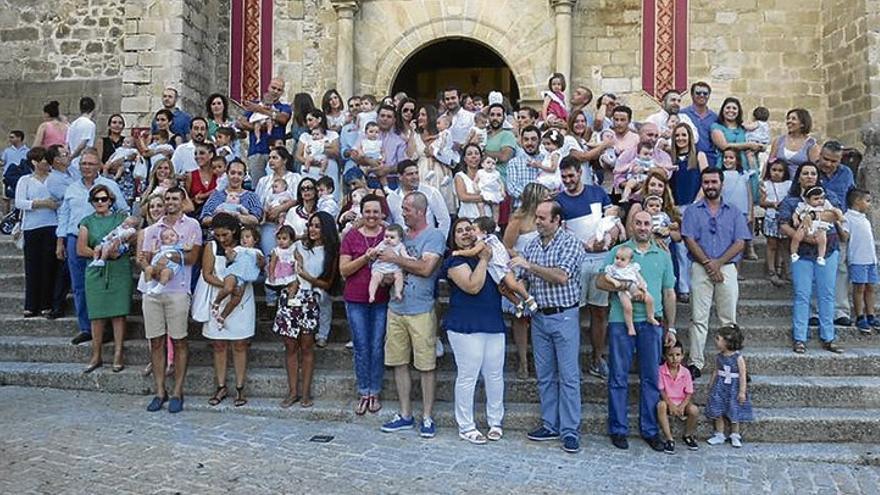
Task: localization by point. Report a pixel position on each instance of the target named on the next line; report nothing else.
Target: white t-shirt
(184, 158)
(82, 129)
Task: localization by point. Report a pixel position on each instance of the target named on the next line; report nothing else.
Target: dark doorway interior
(471, 66)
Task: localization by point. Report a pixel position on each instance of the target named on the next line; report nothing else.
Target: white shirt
(82, 129)
(860, 249)
(462, 122)
(184, 158)
(437, 213)
(659, 119)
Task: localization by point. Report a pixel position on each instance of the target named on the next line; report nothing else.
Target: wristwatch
(672, 331)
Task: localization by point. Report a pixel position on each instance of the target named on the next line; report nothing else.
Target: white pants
(705, 292)
(476, 354)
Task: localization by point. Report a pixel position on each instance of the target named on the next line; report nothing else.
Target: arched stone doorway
(469, 65)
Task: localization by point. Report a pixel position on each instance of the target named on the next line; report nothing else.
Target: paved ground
(81, 442)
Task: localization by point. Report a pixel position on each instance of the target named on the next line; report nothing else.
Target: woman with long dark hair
(113, 140)
(334, 110)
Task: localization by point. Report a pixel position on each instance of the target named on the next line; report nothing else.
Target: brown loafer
(799, 347)
(832, 347)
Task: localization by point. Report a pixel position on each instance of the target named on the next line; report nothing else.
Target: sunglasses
(407, 110)
(101, 199)
(701, 93)
(307, 188)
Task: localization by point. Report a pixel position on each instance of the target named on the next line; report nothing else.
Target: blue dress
(478, 313)
(685, 182)
(244, 267)
(722, 396)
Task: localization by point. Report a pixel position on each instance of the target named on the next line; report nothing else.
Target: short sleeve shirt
(190, 232)
(677, 388)
(357, 285)
(497, 142)
(658, 273)
(418, 292)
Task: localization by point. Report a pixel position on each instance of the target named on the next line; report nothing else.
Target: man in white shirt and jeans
(81, 134)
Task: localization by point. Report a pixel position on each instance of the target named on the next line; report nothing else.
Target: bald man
(270, 104)
(647, 133)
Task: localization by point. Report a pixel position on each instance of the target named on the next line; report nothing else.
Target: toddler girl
(664, 227)
(491, 186)
(813, 216)
(625, 271)
(499, 265)
(243, 267)
(371, 145)
(281, 273)
(116, 241)
(549, 175)
(441, 148)
(773, 190)
(736, 190)
(367, 113)
(479, 134)
(728, 398)
(554, 100)
(315, 159)
(355, 198)
(166, 262)
(218, 168)
(393, 242)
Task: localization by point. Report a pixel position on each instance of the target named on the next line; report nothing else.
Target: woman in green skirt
(108, 284)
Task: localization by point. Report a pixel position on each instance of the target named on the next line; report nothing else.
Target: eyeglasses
(407, 110)
(307, 188)
(101, 199)
(701, 92)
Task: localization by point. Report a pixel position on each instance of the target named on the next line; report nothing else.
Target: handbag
(10, 220)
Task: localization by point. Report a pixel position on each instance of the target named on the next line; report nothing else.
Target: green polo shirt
(502, 139)
(656, 264)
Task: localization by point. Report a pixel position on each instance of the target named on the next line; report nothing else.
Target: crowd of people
(542, 218)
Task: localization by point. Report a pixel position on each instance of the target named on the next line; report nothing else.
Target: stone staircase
(815, 397)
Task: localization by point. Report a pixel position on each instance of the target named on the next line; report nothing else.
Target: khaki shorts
(411, 338)
(166, 314)
(591, 269)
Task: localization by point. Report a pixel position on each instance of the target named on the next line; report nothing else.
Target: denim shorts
(863, 274)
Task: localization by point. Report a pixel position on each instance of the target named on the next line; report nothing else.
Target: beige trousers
(705, 292)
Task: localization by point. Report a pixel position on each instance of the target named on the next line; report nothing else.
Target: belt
(556, 309)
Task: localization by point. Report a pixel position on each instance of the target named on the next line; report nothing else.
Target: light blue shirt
(13, 156)
(418, 292)
(58, 182)
(76, 206)
(28, 190)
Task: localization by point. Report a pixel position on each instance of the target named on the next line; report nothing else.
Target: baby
(223, 143)
(281, 273)
(280, 194)
(232, 205)
(441, 148)
(116, 241)
(549, 174)
(479, 134)
(393, 242)
(758, 132)
(326, 201)
(665, 140)
(638, 170)
(355, 198)
(814, 216)
(159, 148)
(166, 262)
(662, 226)
(243, 267)
(371, 145)
(609, 156)
(499, 265)
(122, 159)
(491, 186)
(315, 159)
(610, 227)
(261, 122)
(624, 272)
(368, 112)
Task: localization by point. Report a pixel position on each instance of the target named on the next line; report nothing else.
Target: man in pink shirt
(647, 133)
(676, 390)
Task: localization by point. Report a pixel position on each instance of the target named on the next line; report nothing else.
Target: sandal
(832, 347)
(362, 406)
(473, 436)
(306, 403)
(148, 370)
(495, 433)
(218, 396)
(289, 401)
(799, 347)
(239, 397)
(375, 405)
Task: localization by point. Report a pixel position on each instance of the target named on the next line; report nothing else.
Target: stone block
(725, 17)
(138, 42)
(20, 34)
(137, 75)
(135, 104)
(616, 85)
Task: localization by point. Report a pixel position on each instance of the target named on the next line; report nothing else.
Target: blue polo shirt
(180, 124)
(656, 269)
(261, 147)
(579, 206)
(840, 182)
(704, 129)
(715, 234)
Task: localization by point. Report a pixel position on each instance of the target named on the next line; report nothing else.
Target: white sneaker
(795, 257)
(438, 348)
(349, 345)
(820, 261)
(736, 440)
(717, 439)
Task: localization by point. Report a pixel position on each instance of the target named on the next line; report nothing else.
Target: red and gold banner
(250, 65)
(664, 46)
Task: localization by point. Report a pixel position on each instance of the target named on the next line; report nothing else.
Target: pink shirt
(678, 388)
(357, 285)
(189, 232)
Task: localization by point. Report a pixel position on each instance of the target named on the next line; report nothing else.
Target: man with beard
(500, 143)
(523, 169)
(184, 157)
(180, 121)
(656, 268)
(462, 120)
(715, 233)
(671, 105)
(270, 105)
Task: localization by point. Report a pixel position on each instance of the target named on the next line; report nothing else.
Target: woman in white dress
(519, 233)
(469, 197)
(238, 327)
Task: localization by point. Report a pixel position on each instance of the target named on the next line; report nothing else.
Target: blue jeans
(648, 343)
(682, 267)
(267, 244)
(804, 274)
(367, 322)
(77, 267)
(556, 341)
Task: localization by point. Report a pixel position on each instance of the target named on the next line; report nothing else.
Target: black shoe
(695, 372)
(54, 315)
(81, 338)
(843, 321)
(690, 443)
(669, 447)
(655, 443)
(814, 321)
(620, 442)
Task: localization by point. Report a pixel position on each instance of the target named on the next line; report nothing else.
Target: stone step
(777, 424)
(7, 247)
(857, 361)
(12, 263)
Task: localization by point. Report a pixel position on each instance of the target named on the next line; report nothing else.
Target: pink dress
(557, 105)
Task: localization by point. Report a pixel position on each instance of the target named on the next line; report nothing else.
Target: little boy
(223, 140)
(326, 201)
(676, 390)
(861, 259)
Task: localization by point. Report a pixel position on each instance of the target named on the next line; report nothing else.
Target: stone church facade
(818, 54)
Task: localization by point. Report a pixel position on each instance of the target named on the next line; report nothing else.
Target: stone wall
(48, 48)
(305, 46)
(845, 68)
